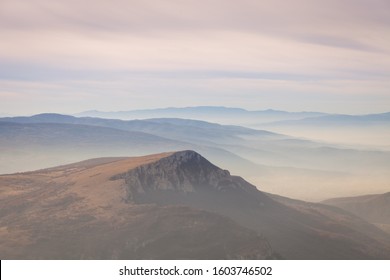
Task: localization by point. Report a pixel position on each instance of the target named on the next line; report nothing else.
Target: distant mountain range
(223, 115)
(281, 163)
(240, 116)
(58, 139)
(169, 206)
(339, 120)
(361, 131)
(171, 127)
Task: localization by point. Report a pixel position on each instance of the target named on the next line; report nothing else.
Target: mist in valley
(318, 166)
(228, 182)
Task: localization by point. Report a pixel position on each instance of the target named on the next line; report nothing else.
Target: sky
(69, 56)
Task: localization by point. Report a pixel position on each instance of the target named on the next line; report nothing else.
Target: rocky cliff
(182, 172)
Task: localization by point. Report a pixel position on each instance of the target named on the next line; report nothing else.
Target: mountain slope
(172, 205)
(77, 212)
(294, 231)
(373, 208)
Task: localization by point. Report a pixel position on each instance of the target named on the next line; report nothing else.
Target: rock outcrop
(183, 172)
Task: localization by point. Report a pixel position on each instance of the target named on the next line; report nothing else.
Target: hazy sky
(70, 55)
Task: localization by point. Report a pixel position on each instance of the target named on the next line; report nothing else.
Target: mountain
(224, 115)
(290, 227)
(339, 120)
(54, 133)
(366, 131)
(289, 166)
(171, 205)
(183, 129)
(77, 212)
(373, 208)
(38, 145)
(30, 143)
(358, 131)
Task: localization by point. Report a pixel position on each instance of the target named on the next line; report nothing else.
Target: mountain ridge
(215, 113)
(97, 193)
(76, 212)
(240, 201)
(338, 119)
(281, 160)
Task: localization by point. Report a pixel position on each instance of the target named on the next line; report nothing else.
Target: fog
(367, 137)
(311, 164)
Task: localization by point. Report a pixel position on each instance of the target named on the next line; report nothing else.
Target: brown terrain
(169, 206)
(77, 212)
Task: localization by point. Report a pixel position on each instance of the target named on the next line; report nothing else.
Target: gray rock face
(184, 172)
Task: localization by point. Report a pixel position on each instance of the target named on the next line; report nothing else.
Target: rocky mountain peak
(184, 171)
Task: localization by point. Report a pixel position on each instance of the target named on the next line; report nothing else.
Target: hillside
(77, 212)
(171, 205)
(373, 208)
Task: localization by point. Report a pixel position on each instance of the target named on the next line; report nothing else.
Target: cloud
(224, 51)
(174, 45)
(147, 17)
